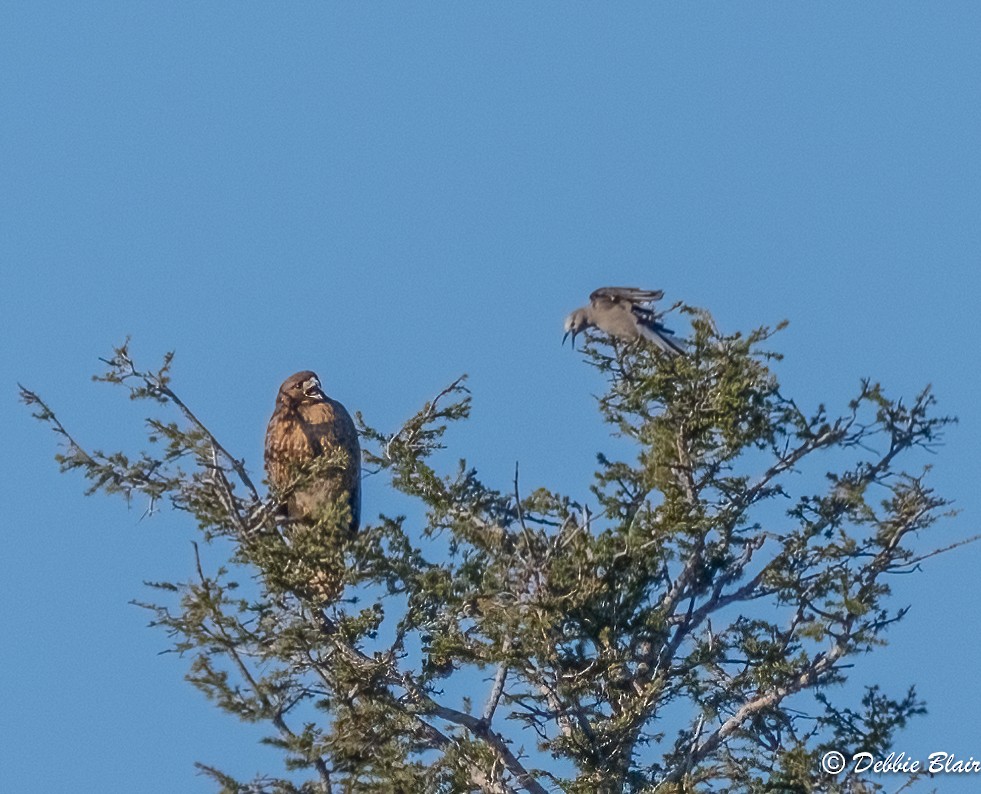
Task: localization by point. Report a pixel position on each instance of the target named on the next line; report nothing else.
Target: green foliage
(653, 645)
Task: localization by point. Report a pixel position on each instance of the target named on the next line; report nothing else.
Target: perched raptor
(312, 451)
(626, 313)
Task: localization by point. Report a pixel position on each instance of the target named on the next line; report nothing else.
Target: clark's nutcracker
(625, 313)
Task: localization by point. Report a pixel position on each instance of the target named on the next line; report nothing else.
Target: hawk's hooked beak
(311, 388)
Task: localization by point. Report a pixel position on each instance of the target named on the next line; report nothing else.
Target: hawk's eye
(298, 386)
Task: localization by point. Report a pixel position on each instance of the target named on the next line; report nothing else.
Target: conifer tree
(685, 630)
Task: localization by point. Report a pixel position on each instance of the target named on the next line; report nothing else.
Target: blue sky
(394, 194)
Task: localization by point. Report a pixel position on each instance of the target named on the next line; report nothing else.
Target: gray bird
(623, 312)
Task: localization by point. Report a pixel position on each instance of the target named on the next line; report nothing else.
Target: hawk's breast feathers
(312, 453)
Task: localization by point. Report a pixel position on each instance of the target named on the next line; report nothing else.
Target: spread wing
(616, 304)
(631, 295)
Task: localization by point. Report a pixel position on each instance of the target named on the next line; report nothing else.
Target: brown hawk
(312, 453)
